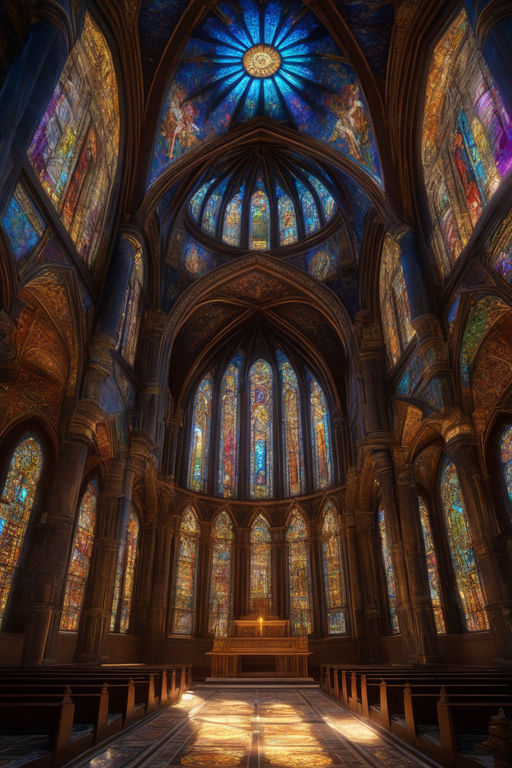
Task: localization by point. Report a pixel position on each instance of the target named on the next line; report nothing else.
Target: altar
(260, 645)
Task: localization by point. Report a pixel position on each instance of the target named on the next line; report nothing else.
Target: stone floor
(251, 728)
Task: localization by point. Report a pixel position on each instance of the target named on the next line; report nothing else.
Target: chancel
(255, 380)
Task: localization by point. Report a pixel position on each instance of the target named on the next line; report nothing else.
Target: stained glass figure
(299, 576)
(232, 221)
(129, 325)
(220, 575)
(75, 149)
(81, 553)
(506, 458)
(467, 140)
(184, 604)
(394, 302)
(260, 591)
(23, 223)
(125, 576)
(196, 202)
(287, 220)
(261, 452)
(229, 429)
(212, 208)
(321, 436)
(432, 569)
(467, 577)
(292, 428)
(333, 573)
(200, 437)
(388, 570)
(16, 505)
(259, 222)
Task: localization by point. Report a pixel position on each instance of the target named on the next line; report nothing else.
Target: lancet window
(505, 458)
(333, 572)
(16, 505)
(432, 567)
(299, 575)
(125, 576)
(220, 575)
(394, 301)
(200, 436)
(388, 570)
(81, 552)
(260, 591)
(464, 564)
(185, 590)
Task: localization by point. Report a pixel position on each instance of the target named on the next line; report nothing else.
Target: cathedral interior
(255, 286)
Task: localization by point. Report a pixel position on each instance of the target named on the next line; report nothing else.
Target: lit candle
(261, 625)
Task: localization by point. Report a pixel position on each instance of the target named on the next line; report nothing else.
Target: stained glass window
(432, 569)
(75, 148)
(220, 575)
(467, 140)
(212, 208)
(200, 437)
(394, 302)
(292, 428)
(389, 570)
(465, 568)
(299, 577)
(23, 223)
(81, 552)
(506, 458)
(184, 606)
(309, 209)
(259, 222)
(232, 220)
(229, 429)
(260, 592)
(332, 567)
(129, 326)
(325, 196)
(261, 453)
(287, 220)
(125, 576)
(321, 436)
(15, 507)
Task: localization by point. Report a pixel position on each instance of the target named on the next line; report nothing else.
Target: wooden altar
(265, 639)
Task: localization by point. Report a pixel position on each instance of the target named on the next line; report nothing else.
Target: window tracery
(200, 437)
(184, 604)
(321, 435)
(261, 563)
(125, 576)
(394, 301)
(16, 505)
(432, 568)
(261, 418)
(81, 553)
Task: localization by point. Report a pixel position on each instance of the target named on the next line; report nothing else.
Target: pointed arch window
(125, 576)
(81, 552)
(292, 428)
(394, 301)
(261, 418)
(129, 326)
(388, 570)
(333, 572)
(321, 437)
(220, 575)
(260, 591)
(74, 152)
(232, 221)
(229, 429)
(505, 458)
(184, 603)
(259, 222)
(432, 569)
(466, 572)
(299, 576)
(287, 219)
(16, 505)
(200, 437)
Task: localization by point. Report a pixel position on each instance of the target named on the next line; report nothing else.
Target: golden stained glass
(261, 60)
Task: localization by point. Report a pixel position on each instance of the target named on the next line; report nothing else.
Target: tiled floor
(251, 728)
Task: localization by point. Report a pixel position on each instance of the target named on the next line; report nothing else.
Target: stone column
(43, 613)
(114, 292)
(279, 564)
(423, 623)
(485, 534)
(317, 589)
(376, 621)
(492, 23)
(158, 619)
(384, 472)
(203, 580)
(95, 620)
(32, 77)
(241, 575)
(374, 404)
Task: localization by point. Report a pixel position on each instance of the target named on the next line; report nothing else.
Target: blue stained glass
(261, 404)
(229, 426)
(310, 211)
(197, 200)
(259, 223)
(23, 223)
(325, 196)
(211, 209)
(232, 218)
(287, 220)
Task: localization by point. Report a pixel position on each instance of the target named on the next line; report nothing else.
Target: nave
(264, 727)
